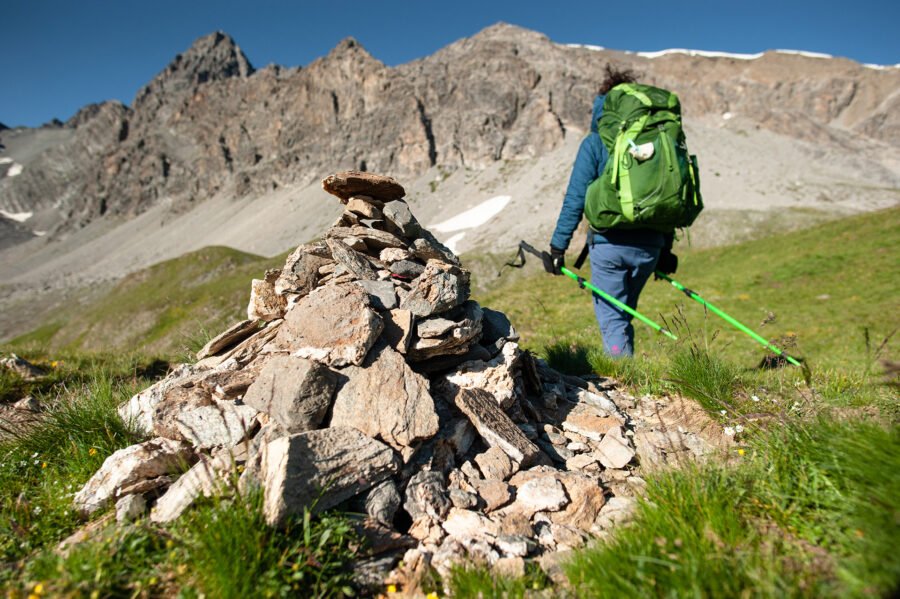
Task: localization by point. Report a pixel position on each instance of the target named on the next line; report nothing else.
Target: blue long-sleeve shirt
(589, 164)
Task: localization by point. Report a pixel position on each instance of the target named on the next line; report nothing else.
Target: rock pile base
(366, 378)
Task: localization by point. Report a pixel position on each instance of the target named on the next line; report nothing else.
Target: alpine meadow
(265, 331)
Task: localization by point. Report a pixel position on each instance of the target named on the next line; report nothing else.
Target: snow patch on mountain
(585, 46)
(19, 217)
(474, 217)
(704, 53)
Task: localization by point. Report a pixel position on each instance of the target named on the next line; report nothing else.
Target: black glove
(557, 260)
(667, 263)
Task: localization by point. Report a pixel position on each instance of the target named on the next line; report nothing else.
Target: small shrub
(228, 550)
(704, 377)
(569, 358)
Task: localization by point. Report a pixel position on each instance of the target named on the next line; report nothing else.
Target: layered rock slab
(295, 392)
(320, 469)
(385, 399)
(334, 324)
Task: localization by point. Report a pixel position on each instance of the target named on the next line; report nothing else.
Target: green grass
(173, 307)
(221, 548)
(42, 465)
(813, 510)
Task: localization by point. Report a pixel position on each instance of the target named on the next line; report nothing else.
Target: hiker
(622, 260)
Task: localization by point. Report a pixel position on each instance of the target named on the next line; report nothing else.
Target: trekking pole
(733, 322)
(582, 282)
(545, 258)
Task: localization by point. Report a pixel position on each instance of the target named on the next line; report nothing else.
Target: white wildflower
(739, 429)
(729, 431)
(722, 412)
(754, 398)
(37, 510)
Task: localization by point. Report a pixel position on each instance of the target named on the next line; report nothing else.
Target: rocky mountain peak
(508, 32)
(349, 50)
(214, 57)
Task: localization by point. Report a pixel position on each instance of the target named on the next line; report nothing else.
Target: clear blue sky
(58, 55)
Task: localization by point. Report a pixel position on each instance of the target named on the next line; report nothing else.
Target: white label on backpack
(642, 152)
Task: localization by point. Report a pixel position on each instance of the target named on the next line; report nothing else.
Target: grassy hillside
(170, 308)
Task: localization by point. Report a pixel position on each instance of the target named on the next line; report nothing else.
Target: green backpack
(650, 181)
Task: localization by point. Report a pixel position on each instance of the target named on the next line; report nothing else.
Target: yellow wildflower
(39, 588)
(741, 452)
(392, 588)
(431, 595)
(44, 465)
(92, 451)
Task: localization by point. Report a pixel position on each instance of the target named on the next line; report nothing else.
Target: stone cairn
(365, 378)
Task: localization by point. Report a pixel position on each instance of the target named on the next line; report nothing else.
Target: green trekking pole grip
(618, 304)
(733, 322)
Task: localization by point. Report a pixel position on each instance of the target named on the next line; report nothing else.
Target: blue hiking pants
(621, 271)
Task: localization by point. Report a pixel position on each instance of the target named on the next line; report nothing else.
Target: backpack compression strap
(626, 198)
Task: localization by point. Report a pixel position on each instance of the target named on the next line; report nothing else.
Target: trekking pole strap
(729, 319)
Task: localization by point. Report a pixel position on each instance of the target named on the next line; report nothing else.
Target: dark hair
(615, 76)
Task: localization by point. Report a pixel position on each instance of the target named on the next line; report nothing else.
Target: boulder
(385, 399)
(224, 423)
(398, 329)
(496, 376)
(204, 478)
(265, 303)
(456, 339)
(586, 421)
(463, 524)
(22, 367)
(130, 507)
(146, 460)
(139, 410)
(541, 494)
(438, 289)
(300, 273)
(295, 392)
(381, 294)
(586, 500)
(365, 207)
(228, 338)
(427, 496)
(399, 214)
(320, 469)
(493, 425)
(614, 451)
(426, 247)
(382, 501)
(407, 269)
(334, 324)
(495, 464)
(352, 260)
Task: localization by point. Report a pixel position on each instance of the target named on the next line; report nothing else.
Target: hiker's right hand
(557, 260)
(667, 263)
